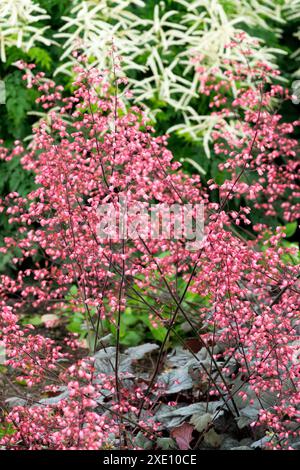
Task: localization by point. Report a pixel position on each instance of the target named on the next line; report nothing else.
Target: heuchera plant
(250, 134)
(246, 313)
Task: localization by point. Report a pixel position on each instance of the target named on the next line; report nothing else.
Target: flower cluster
(32, 355)
(250, 137)
(81, 417)
(238, 295)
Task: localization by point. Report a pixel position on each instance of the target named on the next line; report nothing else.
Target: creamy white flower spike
(18, 25)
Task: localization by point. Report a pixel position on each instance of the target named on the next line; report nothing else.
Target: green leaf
(73, 291)
(132, 338)
(290, 229)
(19, 100)
(201, 421)
(143, 442)
(129, 318)
(166, 443)
(7, 429)
(35, 320)
(76, 323)
(158, 333)
(40, 57)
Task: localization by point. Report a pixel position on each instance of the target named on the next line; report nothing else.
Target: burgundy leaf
(183, 435)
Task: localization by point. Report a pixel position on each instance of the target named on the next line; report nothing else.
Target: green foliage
(6, 429)
(19, 100)
(40, 57)
(136, 326)
(34, 320)
(290, 229)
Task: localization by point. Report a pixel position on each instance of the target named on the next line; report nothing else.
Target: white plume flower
(157, 48)
(17, 25)
(161, 47)
(292, 13)
(94, 25)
